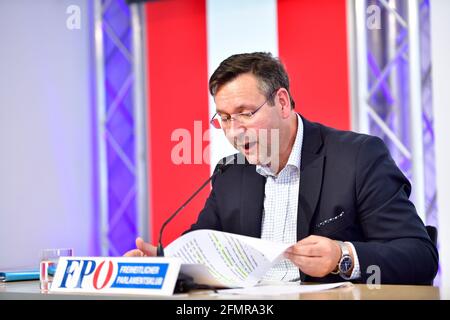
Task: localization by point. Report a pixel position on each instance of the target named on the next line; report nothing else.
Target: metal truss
(391, 89)
(120, 125)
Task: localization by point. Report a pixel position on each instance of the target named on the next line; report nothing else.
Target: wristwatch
(345, 264)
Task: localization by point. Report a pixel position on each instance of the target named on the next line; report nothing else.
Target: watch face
(346, 264)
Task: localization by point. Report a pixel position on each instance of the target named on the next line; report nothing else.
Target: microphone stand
(184, 282)
(221, 169)
(160, 249)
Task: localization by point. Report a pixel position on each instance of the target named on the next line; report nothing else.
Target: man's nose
(235, 128)
(235, 131)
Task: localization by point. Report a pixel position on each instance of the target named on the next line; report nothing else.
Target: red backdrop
(313, 46)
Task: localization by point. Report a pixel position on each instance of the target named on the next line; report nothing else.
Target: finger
(311, 249)
(134, 253)
(310, 240)
(145, 247)
(312, 266)
(303, 262)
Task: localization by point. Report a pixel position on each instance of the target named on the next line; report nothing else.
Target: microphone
(221, 168)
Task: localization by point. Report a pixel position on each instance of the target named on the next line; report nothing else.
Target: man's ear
(285, 102)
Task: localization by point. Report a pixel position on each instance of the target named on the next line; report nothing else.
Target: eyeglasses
(221, 121)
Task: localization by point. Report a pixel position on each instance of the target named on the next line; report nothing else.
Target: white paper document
(273, 290)
(224, 259)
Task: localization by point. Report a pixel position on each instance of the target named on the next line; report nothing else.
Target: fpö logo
(98, 274)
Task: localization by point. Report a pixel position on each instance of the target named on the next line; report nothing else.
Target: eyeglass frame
(250, 114)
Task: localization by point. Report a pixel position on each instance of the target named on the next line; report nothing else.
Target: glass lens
(216, 123)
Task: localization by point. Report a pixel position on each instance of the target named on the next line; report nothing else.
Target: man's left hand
(315, 256)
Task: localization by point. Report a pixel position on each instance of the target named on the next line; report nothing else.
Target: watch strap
(344, 252)
(344, 249)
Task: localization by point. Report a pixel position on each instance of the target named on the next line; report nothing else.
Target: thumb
(145, 247)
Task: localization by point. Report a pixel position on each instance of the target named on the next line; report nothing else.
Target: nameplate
(121, 275)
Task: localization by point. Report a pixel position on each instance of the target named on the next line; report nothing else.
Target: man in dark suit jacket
(352, 215)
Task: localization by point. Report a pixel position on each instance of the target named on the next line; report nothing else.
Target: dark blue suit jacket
(350, 190)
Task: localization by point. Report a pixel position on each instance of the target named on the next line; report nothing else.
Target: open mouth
(247, 146)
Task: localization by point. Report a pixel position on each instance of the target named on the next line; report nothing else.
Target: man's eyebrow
(239, 109)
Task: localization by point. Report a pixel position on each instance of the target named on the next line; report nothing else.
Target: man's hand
(143, 249)
(315, 256)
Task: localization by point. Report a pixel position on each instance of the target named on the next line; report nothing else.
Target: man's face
(258, 138)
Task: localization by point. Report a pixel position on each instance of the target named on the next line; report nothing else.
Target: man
(337, 195)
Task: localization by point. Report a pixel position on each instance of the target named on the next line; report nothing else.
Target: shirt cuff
(356, 273)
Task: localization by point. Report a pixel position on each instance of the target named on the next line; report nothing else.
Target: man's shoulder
(344, 140)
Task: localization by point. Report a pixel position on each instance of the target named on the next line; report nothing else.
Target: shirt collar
(294, 159)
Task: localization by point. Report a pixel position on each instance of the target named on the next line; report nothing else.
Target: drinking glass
(48, 262)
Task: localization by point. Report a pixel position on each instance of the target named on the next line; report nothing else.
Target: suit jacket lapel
(252, 201)
(311, 172)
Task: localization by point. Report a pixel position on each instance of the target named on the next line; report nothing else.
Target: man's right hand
(143, 249)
